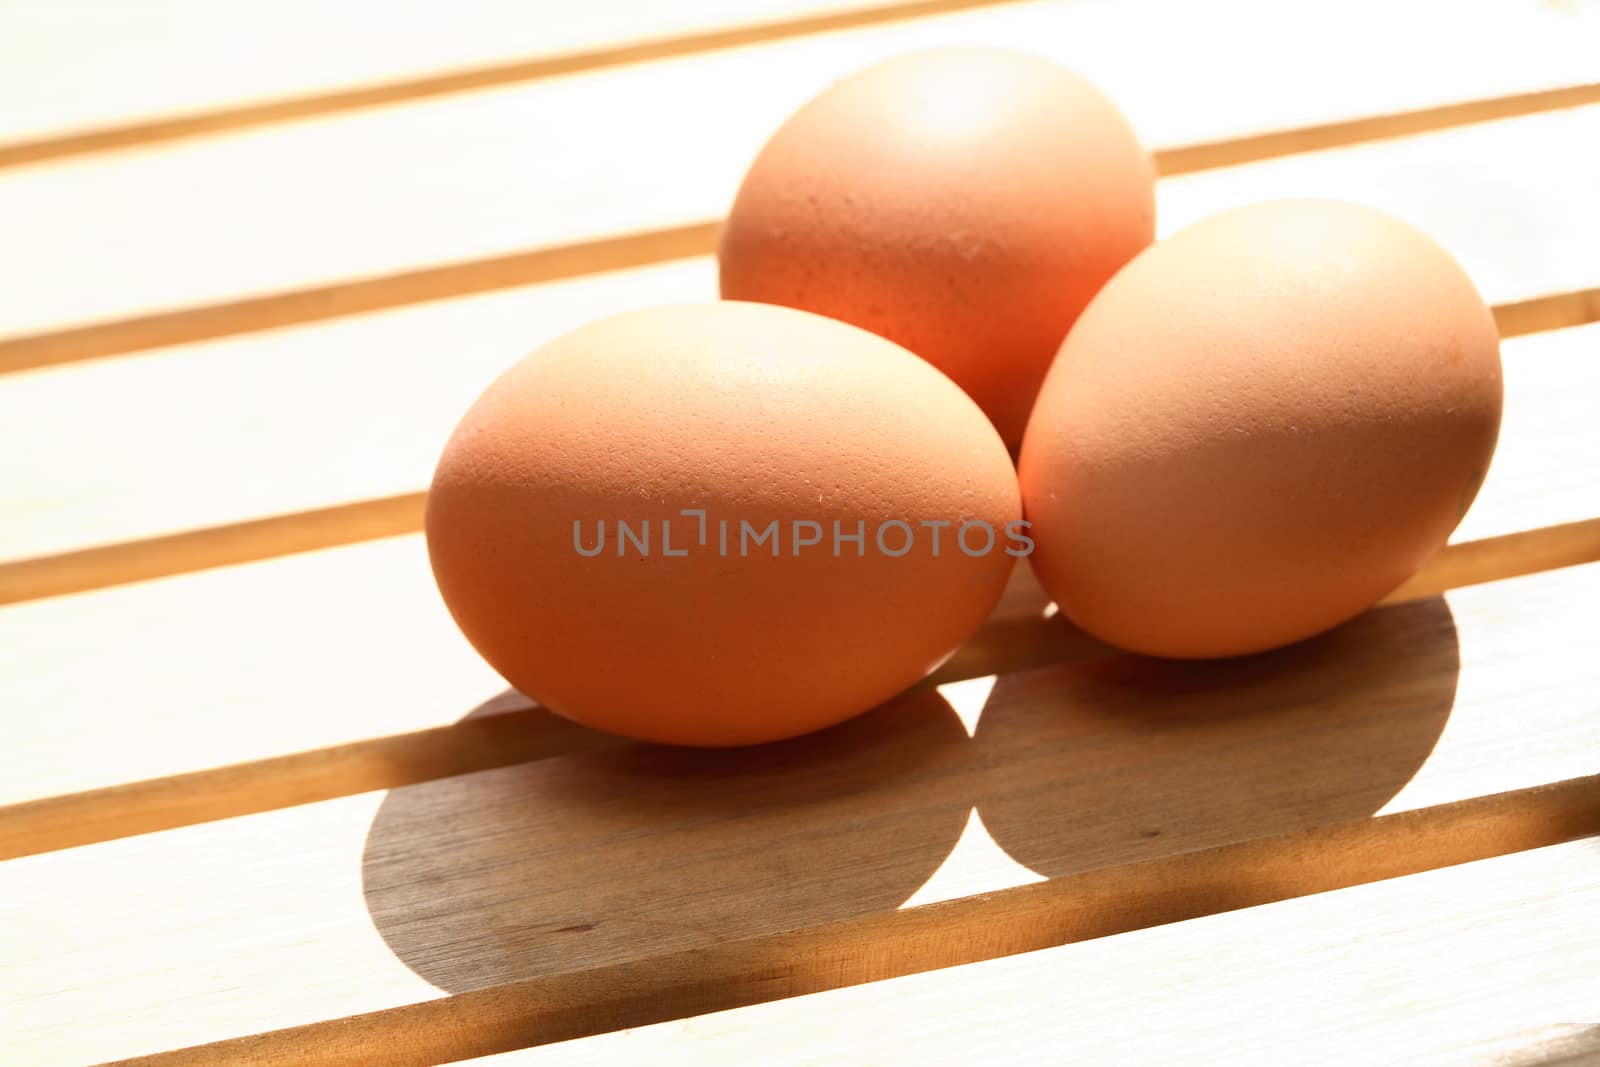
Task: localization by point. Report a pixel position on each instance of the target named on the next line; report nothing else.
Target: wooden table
(259, 803)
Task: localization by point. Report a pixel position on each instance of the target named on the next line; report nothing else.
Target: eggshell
(1259, 428)
(963, 202)
(752, 414)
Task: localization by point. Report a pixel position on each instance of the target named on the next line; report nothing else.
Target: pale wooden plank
(281, 421)
(494, 173)
(1490, 964)
(1546, 467)
(1490, 559)
(314, 650)
(286, 660)
(105, 75)
(125, 684)
(593, 891)
(1022, 633)
(1475, 190)
(111, 454)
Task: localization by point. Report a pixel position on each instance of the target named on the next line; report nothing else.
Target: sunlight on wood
(967, 698)
(975, 865)
(1486, 965)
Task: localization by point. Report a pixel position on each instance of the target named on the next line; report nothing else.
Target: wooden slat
(124, 687)
(509, 729)
(340, 672)
(1492, 559)
(886, 945)
(603, 885)
(111, 454)
(1490, 964)
(278, 422)
(317, 650)
(181, 68)
(121, 470)
(1474, 189)
(444, 194)
(1546, 467)
(622, 886)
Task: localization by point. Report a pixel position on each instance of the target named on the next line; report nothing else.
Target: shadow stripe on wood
(886, 945)
(518, 731)
(619, 252)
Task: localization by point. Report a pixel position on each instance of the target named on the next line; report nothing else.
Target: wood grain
(1492, 963)
(617, 887)
(152, 247)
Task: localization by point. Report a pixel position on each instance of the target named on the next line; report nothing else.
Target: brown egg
(963, 202)
(1259, 428)
(720, 524)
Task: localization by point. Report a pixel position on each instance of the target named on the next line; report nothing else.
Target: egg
(963, 202)
(721, 524)
(1259, 428)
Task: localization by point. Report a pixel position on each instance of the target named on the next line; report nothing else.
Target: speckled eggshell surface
(963, 202)
(1259, 428)
(752, 414)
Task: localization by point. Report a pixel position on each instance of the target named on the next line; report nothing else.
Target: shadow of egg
(1128, 758)
(576, 861)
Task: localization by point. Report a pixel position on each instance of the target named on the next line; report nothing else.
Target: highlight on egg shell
(721, 524)
(1259, 428)
(963, 202)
